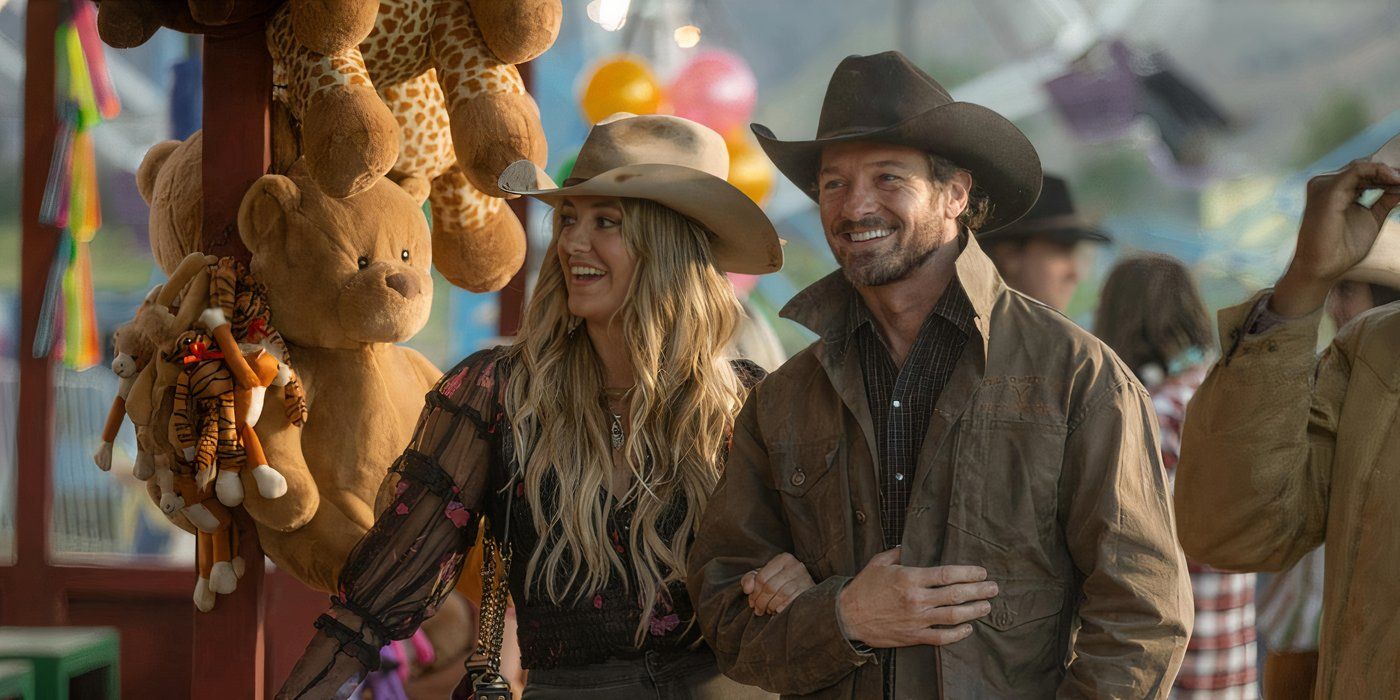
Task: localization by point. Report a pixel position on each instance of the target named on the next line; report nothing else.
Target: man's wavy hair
(979, 205)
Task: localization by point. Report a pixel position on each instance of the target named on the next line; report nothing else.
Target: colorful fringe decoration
(86, 97)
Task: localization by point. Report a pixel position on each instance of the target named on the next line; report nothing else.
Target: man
(971, 480)
(1282, 451)
(1290, 603)
(1041, 255)
(1374, 282)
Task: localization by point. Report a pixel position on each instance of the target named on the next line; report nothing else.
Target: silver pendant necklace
(619, 437)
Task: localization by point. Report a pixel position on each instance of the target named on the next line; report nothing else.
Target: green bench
(69, 663)
(17, 680)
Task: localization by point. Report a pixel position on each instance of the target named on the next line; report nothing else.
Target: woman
(1151, 314)
(591, 444)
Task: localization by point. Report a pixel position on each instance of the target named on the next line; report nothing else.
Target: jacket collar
(826, 307)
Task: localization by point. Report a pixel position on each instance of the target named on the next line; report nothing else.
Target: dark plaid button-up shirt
(901, 401)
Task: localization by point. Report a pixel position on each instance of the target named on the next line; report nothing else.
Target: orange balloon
(749, 169)
(622, 84)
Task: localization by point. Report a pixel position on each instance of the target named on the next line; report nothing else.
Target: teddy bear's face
(339, 272)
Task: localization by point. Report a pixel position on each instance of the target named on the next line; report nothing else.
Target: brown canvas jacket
(1282, 451)
(1040, 464)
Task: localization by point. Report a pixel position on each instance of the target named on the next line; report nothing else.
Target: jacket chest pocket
(1004, 488)
(809, 485)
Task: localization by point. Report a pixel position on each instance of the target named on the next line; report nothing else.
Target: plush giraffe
(478, 242)
(459, 115)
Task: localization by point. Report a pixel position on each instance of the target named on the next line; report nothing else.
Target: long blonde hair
(677, 320)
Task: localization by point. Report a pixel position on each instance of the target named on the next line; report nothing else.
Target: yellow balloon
(749, 170)
(622, 84)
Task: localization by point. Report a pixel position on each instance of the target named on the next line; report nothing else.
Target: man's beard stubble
(915, 245)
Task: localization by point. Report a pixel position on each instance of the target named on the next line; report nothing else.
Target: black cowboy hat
(886, 98)
(1053, 218)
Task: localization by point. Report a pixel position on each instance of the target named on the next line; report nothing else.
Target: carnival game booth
(261, 393)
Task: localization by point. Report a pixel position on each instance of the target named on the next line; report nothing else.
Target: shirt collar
(831, 307)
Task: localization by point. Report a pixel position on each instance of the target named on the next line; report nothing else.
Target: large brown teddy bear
(364, 392)
(346, 279)
(170, 180)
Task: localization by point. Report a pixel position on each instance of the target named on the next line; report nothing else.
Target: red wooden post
(25, 599)
(229, 658)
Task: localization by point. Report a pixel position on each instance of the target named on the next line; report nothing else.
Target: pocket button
(1002, 617)
(799, 477)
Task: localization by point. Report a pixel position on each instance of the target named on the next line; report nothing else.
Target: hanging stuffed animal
(348, 141)
(194, 414)
(452, 109)
(325, 26)
(216, 537)
(241, 321)
(213, 417)
(124, 24)
(150, 400)
(134, 351)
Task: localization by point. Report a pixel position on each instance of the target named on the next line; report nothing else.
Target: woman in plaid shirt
(1151, 314)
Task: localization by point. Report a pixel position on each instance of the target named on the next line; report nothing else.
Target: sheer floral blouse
(459, 465)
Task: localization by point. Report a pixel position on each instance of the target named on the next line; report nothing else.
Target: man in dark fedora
(955, 492)
(1039, 255)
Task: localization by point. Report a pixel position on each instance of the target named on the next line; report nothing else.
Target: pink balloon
(716, 89)
(743, 284)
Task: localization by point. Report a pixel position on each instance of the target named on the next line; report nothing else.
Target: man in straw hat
(1041, 254)
(972, 481)
(1283, 451)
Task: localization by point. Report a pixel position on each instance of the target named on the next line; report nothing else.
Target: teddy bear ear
(150, 168)
(416, 186)
(262, 216)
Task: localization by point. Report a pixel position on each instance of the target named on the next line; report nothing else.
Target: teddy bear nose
(406, 286)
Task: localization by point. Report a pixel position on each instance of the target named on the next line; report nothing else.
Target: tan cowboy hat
(674, 162)
(1382, 265)
(887, 98)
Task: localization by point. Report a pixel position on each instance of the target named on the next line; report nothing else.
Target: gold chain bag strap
(483, 680)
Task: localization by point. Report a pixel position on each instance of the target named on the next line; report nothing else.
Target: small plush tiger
(204, 421)
(239, 302)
